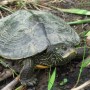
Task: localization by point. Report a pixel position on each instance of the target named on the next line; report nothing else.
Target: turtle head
(70, 53)
(65, 52)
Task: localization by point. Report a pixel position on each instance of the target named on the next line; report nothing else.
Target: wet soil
(71, 70)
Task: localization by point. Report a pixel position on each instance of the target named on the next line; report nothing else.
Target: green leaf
(88, 34)
(52, 79)
(73, 10)
(7, 65)
(6, 9)
(79, 22)
(3, 63)
(86, 62)
(19, 88)
(76, 11)
(83, 34)
(64, 81)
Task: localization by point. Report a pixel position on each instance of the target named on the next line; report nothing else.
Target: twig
(7, 73)
(81, 87)
(4, 2)
(12, 84)
(6, 9)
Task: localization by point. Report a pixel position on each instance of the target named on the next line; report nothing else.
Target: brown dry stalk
(6, 73)
(12, 84)
(4, 2)
(81, 87)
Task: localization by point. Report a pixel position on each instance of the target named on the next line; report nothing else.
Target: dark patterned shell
(24, 34)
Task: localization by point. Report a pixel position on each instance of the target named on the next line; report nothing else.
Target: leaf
(88, 34)
(52, 79)
(73, 10)
(79, 22)
(21, 88)
(3, 63)
(76, 11)
(7, 65)
(6, 9)
(86, 62)
(83, 34)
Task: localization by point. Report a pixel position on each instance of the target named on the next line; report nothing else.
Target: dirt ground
(71, 70)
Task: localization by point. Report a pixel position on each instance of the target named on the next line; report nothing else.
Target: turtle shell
(26, 33)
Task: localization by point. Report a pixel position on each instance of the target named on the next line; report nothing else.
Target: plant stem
(81, 69)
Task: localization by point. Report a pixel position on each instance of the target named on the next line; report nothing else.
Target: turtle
(39, 39)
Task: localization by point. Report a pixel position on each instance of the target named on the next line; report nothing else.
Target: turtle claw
(31, 82)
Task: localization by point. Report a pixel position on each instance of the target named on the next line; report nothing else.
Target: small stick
(12, 84)
(7, 73)
(4, 2)
(81, 87)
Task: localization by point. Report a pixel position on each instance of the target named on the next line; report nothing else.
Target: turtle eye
(56, 48)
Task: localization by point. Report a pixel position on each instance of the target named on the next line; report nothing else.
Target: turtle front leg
(26, 74)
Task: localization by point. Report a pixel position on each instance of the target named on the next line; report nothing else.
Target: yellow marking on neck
(41, 67)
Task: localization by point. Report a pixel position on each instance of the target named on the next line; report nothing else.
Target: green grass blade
(86, 62)
(73, 10)
(52, 79)
(6, 9)
(19, 88)
(88, 34)
(76, 11)
(79, 22)
(7, 66)
(81, 68)
(3, 63)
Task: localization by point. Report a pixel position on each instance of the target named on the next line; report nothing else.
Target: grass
(51, 79)
(22, 87)
(72, 10)
(7, 66)
(81, 69)
(79, 22)
(6, 9)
